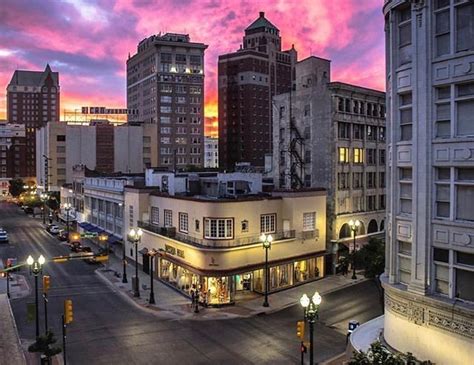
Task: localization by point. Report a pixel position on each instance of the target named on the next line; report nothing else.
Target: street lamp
(104, 238)
(135, 237)
(311, 309)
(152, 253)
(354, 228)
(267, 243)
(67, 208)
(35, 269)
(44, 197)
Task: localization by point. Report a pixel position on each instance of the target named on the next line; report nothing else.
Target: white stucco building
(429, 278)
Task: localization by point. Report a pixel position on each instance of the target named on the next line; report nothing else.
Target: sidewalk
(171, 304)
(19, 287)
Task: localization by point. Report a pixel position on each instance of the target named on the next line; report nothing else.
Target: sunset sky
(88, 41)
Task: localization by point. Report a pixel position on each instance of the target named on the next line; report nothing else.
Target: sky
(88, 41)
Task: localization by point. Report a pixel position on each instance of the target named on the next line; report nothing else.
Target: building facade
(248, 79)
(332, 135)
(13, 158)
(208, 230)
(165, 85)
(33, 100)
(211, 152)
(429, 276)
(100, 146)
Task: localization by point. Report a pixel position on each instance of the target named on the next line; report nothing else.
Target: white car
(54, 229)
(3, 236)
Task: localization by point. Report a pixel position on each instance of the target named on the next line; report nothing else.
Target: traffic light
(304, 349)
(68, 317)
(46, 283)
(300, 330)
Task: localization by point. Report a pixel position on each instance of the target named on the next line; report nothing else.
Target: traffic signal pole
(45, 297)
(64, 339)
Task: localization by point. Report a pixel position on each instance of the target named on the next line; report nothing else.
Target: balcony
(171, 232)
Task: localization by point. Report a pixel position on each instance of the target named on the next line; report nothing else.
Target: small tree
(380, 355)
(44, 344)
(16, 187)
(371, 258)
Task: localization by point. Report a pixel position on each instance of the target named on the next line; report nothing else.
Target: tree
(53, 200)
(379, 354)
(43, 345)
(16, 187)
(371, 258)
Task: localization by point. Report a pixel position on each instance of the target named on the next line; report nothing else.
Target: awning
(114, 239)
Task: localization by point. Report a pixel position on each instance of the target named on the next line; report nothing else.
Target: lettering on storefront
(180, 253)
(170, 249)
(213, 262)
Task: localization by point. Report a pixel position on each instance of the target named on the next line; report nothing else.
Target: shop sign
(170, 249)
(180, 253)
(213, 262)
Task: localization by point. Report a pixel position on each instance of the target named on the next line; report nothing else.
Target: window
(465, 109)
(371, 156)
(382, 157)
(443, 112)
(268, 223)
(309, 221)
(406, 117)
(218, 228)
(404, 262)
(343, 180)
(358, 155)
(381, 179)
(358, 131)
(197, 225)
(61, 138)
(404, 35)
(371, 180)
(165, 109)
(381, 133)
(441, 272)
(166, 99)
(371, 133)
(343, 155)
(307, 110)
(180, 58)
(405, 190)
(382, 202)
(357, 180)
(442, 28)
(168, 218)
(465, 27)
(183, 222)
(371, 202)
(155, 215)
(344, 130)
(244, 226)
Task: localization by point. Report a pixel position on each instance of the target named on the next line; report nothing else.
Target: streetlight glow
(41, 260)
(304, 301)
(317, 298)
(132, 233)
(30, 260)
(139, 232)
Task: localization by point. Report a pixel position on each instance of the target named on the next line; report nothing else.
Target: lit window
(267, 223)
(183, 222)
(343, 154)
(358, 155)
(309, 221)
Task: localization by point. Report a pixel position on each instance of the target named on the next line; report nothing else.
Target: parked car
(53, 229)
(76, 247)
(28, 210)
(3, 236)
(63, 235)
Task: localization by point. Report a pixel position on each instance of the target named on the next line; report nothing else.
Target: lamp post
(104, 237)
(36, 268)
(43, 197)
(354, 228)
(267, 243)
(152, 253)
(311, 309)
(135, 237)
(67, 208)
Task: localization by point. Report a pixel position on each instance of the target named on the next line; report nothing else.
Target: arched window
(372, 228)
(382, 225)
(345, 231)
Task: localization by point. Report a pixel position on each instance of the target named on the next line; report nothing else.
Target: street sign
(89, 235)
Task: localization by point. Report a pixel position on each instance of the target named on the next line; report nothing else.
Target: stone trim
(423, 314)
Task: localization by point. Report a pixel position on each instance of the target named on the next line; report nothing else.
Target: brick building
(33, 100)
(248, 79)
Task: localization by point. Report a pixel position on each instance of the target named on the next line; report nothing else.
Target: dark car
(76, 247)
(28, 210)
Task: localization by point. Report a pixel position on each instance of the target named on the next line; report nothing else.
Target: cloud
(88, 41)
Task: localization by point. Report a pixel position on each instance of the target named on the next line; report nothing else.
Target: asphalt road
(109, 330)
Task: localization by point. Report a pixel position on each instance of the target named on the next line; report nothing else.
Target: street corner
(19, 287)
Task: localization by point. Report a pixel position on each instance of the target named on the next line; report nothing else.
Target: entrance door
(286, 228)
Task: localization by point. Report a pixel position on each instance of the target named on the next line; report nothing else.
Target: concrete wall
(128, 149)
(80, 148)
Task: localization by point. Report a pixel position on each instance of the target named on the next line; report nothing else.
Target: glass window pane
(442, 22)
(444, 173)
(406, 116)
(466, 89)
(442, 209)
(405, 206)
(464, 287)
(405, 34)
(465, 27)
(441, 255)
(442, 44)
(465, 197)
(443, 129)
(404, 247)
(465, 258)
(406, 133)
(442, 193)
(465, 117)
(404, 263)
(441, 4)
(443, 112)
(405, 190)
(444, 92)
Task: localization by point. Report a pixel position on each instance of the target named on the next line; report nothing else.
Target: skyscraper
(429, 276)
(165, 84)
(248, 79)
(33, 100)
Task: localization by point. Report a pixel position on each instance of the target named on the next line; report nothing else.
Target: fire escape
(297, 163)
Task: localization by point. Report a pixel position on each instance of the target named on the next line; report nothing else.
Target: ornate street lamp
(267, 243)
(152, 253)
(135, 237)
(35, 268)
(354, 228)
(67, 208)
(311, 309)
(44, 197)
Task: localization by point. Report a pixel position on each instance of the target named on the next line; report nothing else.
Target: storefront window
(178, 276)
(216, 290)
(280, 276)
(308, 269)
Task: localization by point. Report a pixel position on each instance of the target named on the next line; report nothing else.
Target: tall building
(211, 152)
(12, 151)
(100, 146)
(248, 79)
(165, 84)
(429, 291)
(332, 135)
(33, 100)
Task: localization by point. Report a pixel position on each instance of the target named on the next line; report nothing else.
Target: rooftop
(33, 78)
(261, 22)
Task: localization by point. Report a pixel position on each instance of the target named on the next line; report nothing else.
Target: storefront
(221, 290)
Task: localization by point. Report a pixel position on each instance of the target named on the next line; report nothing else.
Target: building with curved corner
(429, 276)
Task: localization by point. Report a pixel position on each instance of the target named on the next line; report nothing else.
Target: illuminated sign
(104, 110)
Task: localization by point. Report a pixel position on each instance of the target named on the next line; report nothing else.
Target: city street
(109, 330)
